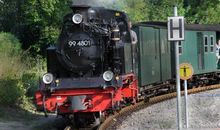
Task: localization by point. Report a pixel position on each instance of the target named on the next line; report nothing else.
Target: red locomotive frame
(96, 100)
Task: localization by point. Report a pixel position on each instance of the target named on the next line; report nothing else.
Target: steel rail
(112, 120)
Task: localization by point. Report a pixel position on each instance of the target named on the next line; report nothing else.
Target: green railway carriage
(198, 49)
(156, 55)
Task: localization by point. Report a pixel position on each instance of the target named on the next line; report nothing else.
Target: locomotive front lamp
(77, 18)
(48, 78)
(108, 75)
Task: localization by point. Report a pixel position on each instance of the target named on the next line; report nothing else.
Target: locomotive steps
(113, 120)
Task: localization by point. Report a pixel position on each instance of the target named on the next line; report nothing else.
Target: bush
(18, 72)
(11, 70)
(11, 92)
(30, 83)
(11, 65)
(30, 78)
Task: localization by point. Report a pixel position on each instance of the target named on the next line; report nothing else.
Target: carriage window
(212, 43)
(180, 48)
(206, 43)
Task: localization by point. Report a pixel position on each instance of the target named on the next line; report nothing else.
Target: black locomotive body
(90, 71)
(99, 42)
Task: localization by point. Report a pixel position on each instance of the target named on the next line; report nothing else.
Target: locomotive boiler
(90, 70)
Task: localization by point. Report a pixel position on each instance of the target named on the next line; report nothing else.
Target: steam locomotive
(90, 70)
(95, 70)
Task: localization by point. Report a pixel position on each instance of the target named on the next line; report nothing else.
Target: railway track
(112, 120)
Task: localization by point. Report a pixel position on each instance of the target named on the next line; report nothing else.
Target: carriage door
(200, 48)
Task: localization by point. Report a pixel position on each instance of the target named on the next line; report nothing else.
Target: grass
(18, 83)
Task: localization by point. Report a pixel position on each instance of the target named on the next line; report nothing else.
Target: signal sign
(186, 71)
(175, 27)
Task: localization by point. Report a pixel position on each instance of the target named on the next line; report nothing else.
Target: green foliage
(203, 11)
(30, 82)
(159, 10)
(7, 12)
(30, 78)
(137, 9)
(44, 12)
(11, 91)
(199, 11)
(47, 11)
(10, 70)
(44, 16)
(18, 72)
(36, 23)
(10, 54)
(149, 10)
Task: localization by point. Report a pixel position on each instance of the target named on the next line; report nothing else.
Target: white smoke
(96, 3)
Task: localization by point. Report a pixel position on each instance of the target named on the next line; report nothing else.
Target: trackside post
(186, 72)
(176, 33)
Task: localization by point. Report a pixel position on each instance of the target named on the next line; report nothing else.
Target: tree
(159, 10)
(35, 22)
(150, 10)
(136, 9)
(45, 18)
(9, 14)
(203, 11)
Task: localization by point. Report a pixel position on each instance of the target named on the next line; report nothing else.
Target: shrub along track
(112, 120)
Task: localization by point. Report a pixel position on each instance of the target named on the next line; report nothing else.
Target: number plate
(79, 43)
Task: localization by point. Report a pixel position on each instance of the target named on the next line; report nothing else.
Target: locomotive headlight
(108, 75)
(47, 78)
(77, 18)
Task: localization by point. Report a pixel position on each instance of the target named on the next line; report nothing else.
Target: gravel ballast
(203, 108)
